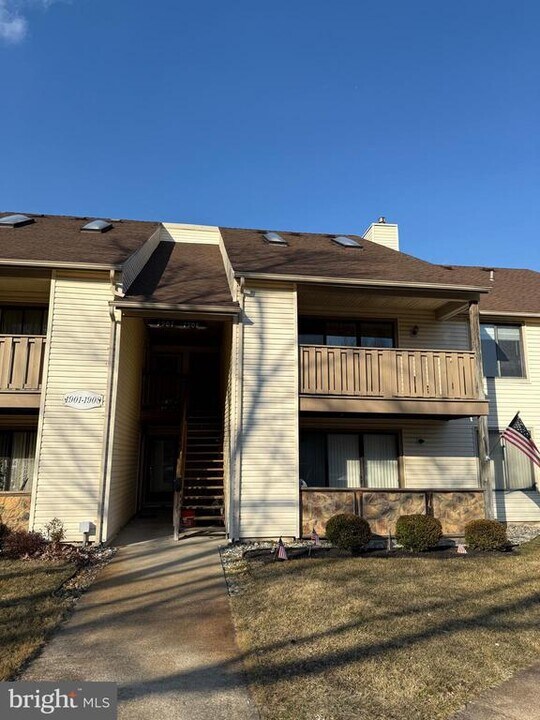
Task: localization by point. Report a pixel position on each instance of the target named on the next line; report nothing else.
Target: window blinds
(381, 462)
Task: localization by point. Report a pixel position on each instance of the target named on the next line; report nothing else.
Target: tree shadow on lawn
(30, 608)
(270, 674)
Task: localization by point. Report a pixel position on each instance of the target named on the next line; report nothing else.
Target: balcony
(21, 369)
(440, 383)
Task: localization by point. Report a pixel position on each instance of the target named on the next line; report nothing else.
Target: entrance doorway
(160, 469)
(183, 405)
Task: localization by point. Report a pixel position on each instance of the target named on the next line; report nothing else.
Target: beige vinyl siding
(386, 234)
(179, 232)
(433, 334)
(269, 494)
(447, 457)
(136, 262)
(121, 494)
(233, 432)
(517, 506)
(445, 460)
(506, 397)
(69, 467)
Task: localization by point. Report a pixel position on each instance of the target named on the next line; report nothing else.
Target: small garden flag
(281, 552)
(315, 537)
(517, 434)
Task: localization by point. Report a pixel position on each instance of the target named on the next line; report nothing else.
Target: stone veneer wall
(382, 508)
(15, 510)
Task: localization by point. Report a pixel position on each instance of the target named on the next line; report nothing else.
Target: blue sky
(306, 115)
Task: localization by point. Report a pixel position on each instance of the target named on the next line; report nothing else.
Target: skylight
(97, 226)
(275, 238)
(16, 220)
(346, 241)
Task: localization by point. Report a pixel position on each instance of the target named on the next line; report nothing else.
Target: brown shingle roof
(512, 290)
(58, 238)
(309, 254)
(179, 273)
(183, 274)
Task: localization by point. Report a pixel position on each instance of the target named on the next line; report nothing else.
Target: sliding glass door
(381, 460)
(349, 460)
(344, 461)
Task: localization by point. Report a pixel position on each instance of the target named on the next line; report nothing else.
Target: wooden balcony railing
(388, 373)
(21, 362)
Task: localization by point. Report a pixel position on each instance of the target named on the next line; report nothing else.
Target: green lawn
(28, 610)
(385, 638)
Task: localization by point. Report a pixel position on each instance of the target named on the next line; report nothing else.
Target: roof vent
(16, 220)
(346, 241)
(274, 238)
(97, 226)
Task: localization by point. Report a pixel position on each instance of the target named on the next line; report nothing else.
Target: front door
(160, 471)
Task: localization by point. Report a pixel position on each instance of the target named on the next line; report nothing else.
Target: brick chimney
(384, 233)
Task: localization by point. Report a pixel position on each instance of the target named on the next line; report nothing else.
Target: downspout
(238, 431)
(111, 384)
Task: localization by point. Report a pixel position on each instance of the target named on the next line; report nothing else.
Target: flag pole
(498, 440)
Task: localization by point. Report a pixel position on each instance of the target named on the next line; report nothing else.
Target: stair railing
(178, 498)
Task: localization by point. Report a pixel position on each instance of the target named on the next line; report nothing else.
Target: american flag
(517, 434)
(281, 552)
(315, 537)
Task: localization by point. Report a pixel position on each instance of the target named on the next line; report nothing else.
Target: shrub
(486, 535)
(79, 556)
(55, 531)
(4, 531)
(19, 543)
(348, 532)
(418, 532)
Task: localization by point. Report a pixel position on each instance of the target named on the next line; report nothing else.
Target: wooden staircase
(203, 471)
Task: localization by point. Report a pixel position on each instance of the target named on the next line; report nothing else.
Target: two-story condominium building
(257, 380)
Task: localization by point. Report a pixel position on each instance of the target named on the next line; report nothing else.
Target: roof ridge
(77, 217)
(487, 268)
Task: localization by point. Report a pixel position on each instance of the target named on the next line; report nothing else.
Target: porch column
(486, 480)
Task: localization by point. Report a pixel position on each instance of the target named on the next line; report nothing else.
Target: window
(23, 321)
(349, 460)
(502, 350)
(17, 453)
(348, 333)
(341, 333)
(512, 469)
(376, 334)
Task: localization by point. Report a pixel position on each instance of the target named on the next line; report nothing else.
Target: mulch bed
(268, 555)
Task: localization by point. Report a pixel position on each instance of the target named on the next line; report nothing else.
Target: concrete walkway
(158, 623)
(515, 699)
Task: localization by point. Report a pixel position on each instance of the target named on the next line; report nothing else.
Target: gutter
(506, 313)
(323, 280)
(239, 416)
(60, 265)
(110, 410)
(233, 309)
